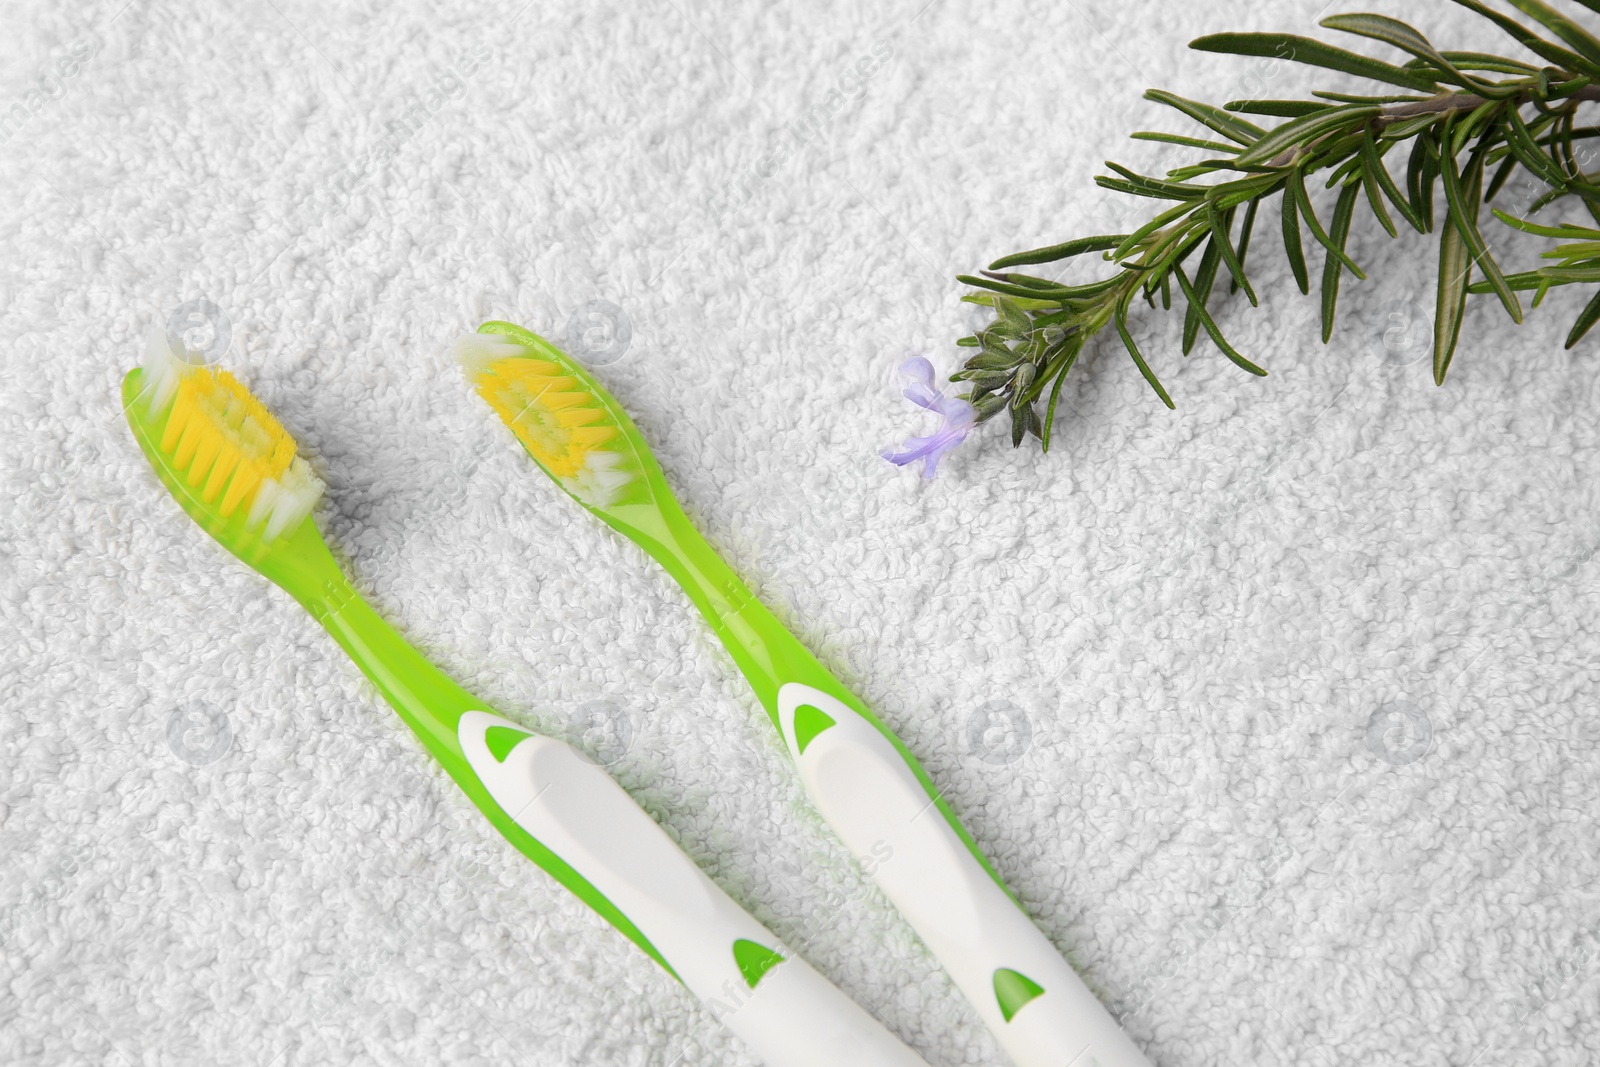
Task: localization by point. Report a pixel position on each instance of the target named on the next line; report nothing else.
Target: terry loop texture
(1277, 711)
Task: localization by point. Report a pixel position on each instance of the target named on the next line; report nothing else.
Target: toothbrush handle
(1027, 994)
(787, 1013)
(568, 816)
(887, 811)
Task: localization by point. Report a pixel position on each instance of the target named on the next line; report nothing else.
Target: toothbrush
(863, 780)
(234, 469)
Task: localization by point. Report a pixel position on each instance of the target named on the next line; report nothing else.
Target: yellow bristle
(559, 401)
(240, 489)
(205, 456)
(580, 416)
(590, 436)
(219, 474)
(189, 441)
(531, 368)
(182, 408)
(549, 383)
(219, 436)
(569, 429)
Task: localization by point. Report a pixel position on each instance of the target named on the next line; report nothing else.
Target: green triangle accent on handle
(754, 960)
(501, 740)
(808, 723)
(1013, 990)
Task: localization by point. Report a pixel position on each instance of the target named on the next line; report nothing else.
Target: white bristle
(602, 479)
(297, 494)
(477, 351)
(163, 370)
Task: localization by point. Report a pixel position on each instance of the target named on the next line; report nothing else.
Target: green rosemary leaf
(1065, 250)
(1568, 275)
(1221, 224)
(1196, 170)
(1586, 318)
(1419, 180)
(1058, 371)
(1520, 142)
(988, 407)
(1205, 278)
(1091, 289)
(1173, 248)
(1298, 131)
(982, 383)
(1012, 319)
(1570, 62)
(1286, 109)
(1245, 229)
(1188, 142)
(1231, 194)
(1316, 53)
(1409, 39)
(1385, 182)
(1027, 281)
(967, 342)
(1455, 271)
(1578, 134)
(1198, 305)
(1462, 197)
(1117, 185)
(1138, 358)
(1563, 146)
(1234, 129)
(1574, 250)
(1562, 90)
(1055, 394)
(1345, 172)
(1156, 187)
(1501, 174)
(1353, 98)
(1022, 291)
(1369, 181)
(1405, 129)
(1521, 281)
(1485, 62)
(1580, 39)
(1565, 230)
(1467, 128)
(1330, 267)
(1291, 244)
(1297, 187)
(1130, 242)
(1055, 356)
(991, 360)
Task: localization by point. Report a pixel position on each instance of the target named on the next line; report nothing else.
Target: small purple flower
(959, 418)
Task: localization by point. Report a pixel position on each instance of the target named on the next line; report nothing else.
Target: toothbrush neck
(429, 702)
(765, 651)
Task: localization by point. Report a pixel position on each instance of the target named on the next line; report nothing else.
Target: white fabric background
(1198, 613)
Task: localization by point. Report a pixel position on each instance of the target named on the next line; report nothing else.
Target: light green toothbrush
(233, 468)
(863, 780)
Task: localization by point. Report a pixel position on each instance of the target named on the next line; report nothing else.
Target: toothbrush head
(571, 426)
(217, 448)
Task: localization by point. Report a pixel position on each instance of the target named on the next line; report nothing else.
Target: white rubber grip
(792, 1017)
(878, 807)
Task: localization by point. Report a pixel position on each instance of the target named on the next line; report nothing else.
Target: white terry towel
(1276, 710)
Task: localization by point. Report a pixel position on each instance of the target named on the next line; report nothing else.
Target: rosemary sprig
(1470, 121)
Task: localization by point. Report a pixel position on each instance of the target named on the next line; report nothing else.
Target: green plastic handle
(428, 701)
(769, 656)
